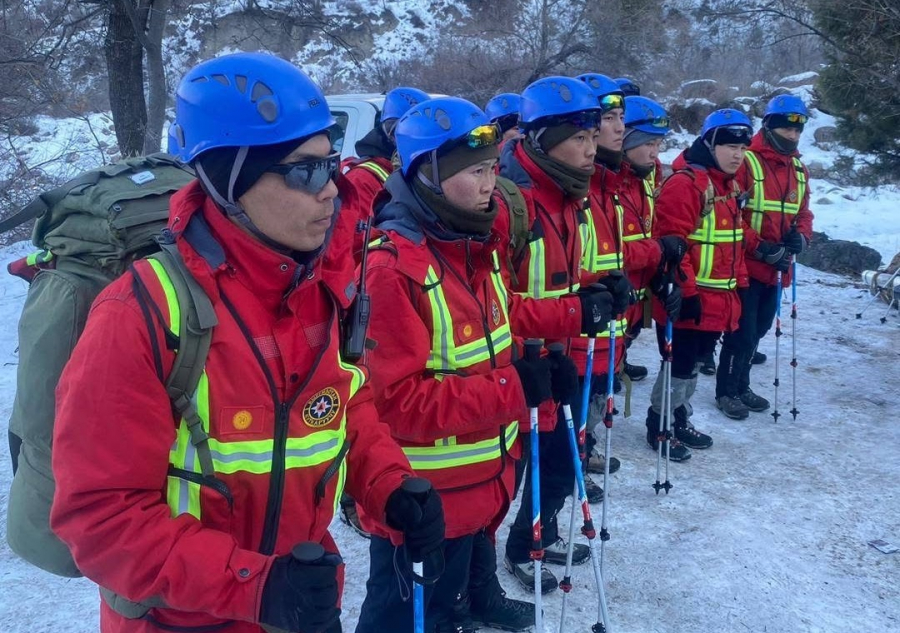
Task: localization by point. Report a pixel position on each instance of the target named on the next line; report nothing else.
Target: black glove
(691, 309)
(596, 309)
(563, 378)
(536, 380)
(673, 250)
(301, 596)
(671, 300)
(420, 518)
(617, 283)
(794, 241)
(774, 254)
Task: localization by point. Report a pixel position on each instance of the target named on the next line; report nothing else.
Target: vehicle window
(339, 130)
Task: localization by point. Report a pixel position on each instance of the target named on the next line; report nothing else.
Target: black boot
(754, 402)
(706, 364)
(492, 608)
(593, 490)
(678, 452)
(733, 368)
(349, 515)
(460, 619)
(687, 434)
(635, 372)
(758, 358)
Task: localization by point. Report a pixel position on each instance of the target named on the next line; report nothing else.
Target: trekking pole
(578, 455)
(419, 489)
(533, 352)
(588, 525)
(665, 419)
(794, 411)
(878, 291)
(778, 333)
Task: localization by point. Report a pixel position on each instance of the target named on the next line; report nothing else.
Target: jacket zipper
(210, 482)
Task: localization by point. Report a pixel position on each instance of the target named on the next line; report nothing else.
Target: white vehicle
(356, 115)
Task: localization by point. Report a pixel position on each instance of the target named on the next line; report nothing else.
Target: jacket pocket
(208, 499)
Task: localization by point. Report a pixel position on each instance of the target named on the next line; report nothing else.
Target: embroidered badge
(495, 312)
(792, 196)
(242, 420)
(631, 226)
(605, 246)
(322, 408)
(646, 225)
(467, 331)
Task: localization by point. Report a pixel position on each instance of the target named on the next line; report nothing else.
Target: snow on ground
(766, 531)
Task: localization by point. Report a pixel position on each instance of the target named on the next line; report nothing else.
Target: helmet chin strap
(435, 182)
(233, 208)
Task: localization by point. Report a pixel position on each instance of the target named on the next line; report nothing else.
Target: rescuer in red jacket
(777, 225)
(197, 525)
(449, 375)
(700, 202)
(552, 165)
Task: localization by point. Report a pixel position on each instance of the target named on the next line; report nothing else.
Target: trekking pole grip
(533, 348)
(306, 552)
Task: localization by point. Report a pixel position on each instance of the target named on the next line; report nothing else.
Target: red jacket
(437, 372)
(678, 212)
(357, 189)
(116, 476)
(779, 183)
(558, 225)
(642, 253)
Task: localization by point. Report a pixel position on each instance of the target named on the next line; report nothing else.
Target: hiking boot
(635, 372)
(707, 365)
(593, 491)
(459, 620)
(678, 452)
(500, 612)
(596, 463)
(556, 554)
(524, 573)
(617, 385)
(754, 402)
(349, 515)
(691, 437)
(758, 359)
(732, 407)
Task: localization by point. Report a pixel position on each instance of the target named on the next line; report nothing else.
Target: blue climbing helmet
(399, 100)
(628, 87)
(788, 106)
(735, 121)
(646, 115)
(562, 98)
(244, 100)
(607, 91)
(440, 123)
(504, 104)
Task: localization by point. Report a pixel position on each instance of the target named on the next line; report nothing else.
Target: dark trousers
(557, 481)
(688, 346)
(470, 567)
(758, 307)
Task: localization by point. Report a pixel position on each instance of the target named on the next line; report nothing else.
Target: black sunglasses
(310, 175)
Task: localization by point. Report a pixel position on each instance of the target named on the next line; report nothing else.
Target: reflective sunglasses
(794, 117)
(611, 102)
(659, 122)
(310, 175)
(483, 136)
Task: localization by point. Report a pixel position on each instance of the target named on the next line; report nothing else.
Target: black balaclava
(776, 141)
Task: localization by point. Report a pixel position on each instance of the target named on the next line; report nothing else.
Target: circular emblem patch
(495, 312)
(467, 331)
(631, 226)
(322, 408)
(606, 246)
(242, 420)
(724, 222)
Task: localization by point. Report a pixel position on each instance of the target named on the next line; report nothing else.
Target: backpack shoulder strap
(194, 317)
(519, 232)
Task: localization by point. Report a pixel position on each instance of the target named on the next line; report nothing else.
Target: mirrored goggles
(739, 131)
(585, 120)
(794, 117)
(310, 175)
(611, 102)
(483, 136)
(660, 122)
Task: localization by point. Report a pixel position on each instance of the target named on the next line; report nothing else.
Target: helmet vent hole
(241, 82)
(222, 79)
(268, 110)
(441, 118)
(565, 93)
(200, 80)
(260, 90)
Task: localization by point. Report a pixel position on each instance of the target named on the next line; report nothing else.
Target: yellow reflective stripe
(649, 185)
(594, 260)
(183, 496)
(171, 298)
(375, 169)
(454, 455)
(621, 327)
(445, 354)
(39, 257)
(721, 284)
(760, 205)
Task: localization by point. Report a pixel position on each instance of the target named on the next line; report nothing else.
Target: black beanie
(217, 164)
